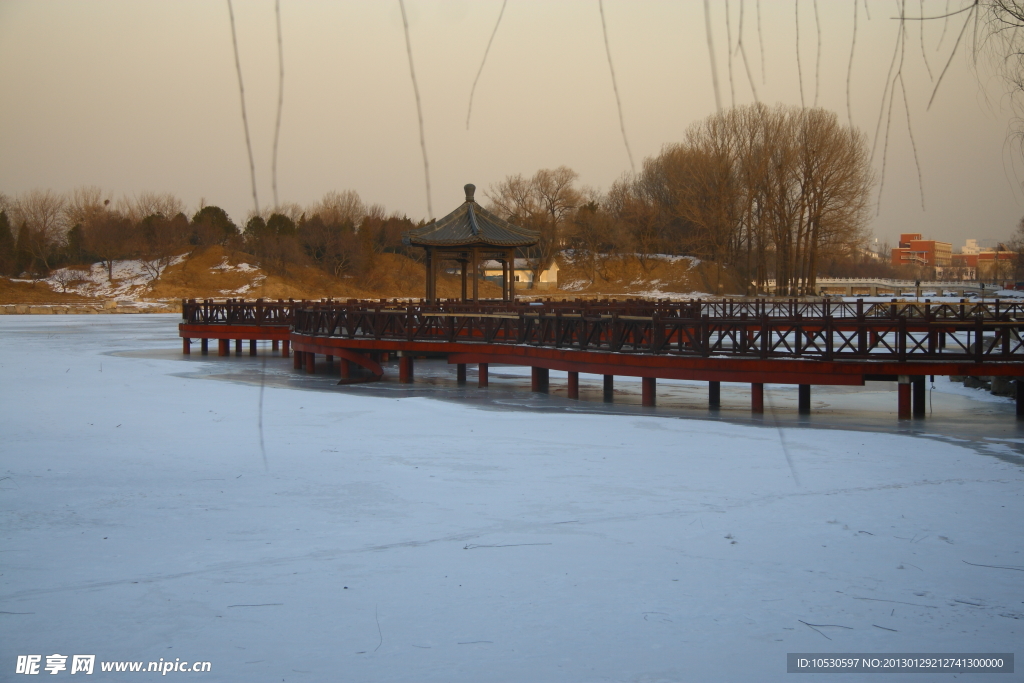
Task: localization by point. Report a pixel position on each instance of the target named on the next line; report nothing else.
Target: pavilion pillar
(539, 380)
(186, 345)
(252, 347)
(429, 268)
(405, 369)
(804, 399)
(609, 388)
(714, 394)
(903, 411)
(482, 375)
(476, 275)
(460, 373)
(512, 275)
(462, 267)
(757, 398)
(504, 280)
(649, 391)
(574, 384)
(284, 348)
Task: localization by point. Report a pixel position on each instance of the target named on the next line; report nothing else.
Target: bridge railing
(958, 332)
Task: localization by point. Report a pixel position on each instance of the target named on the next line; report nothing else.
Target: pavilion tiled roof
(468, 226)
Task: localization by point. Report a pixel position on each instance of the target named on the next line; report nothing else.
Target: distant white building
(548, 278)
(970, 247)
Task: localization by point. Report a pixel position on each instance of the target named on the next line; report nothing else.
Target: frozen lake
(442, 533)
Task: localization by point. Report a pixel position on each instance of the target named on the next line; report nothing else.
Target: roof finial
(470, 189)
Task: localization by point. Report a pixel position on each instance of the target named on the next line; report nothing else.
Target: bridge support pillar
(1019, 384)
(405, 369)
(284, 348)
(204, 346)
(252, 347)
(574, 384)
(757, 398)
(539, 380)
(648, 391)
(346, 368)
(238, 347)
(297, 361)
(460, 373)
(482, 376)
(903, 411)
(804, 399)
(186, 345)
(273, 346)
(330, 364)
(310, 362)
(714, 394)
(223, 347)
(919, 394)
(609, 388)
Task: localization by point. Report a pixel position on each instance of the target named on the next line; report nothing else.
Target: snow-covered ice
(414, 539)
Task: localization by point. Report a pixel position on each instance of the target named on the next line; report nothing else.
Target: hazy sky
(134, 96)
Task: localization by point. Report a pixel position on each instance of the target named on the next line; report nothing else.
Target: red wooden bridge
(749, 341)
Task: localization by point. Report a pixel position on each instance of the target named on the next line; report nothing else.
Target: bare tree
(544, 203)
(42, 212)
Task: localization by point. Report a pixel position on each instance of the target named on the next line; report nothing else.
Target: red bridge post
(649, 391)
(903, 398)
(238, 347)
(204, 346)
(539, 380)
(482, 376)
(714, 395)
(460, 373)
(346, 368)
(1020, 397)
(252, 347)
(919, 394)
(804, 399)
(186, 345)
(284, 348)
(574, 385)
(297, 361)
(609, 388)
(310, 362)
(405, 369)
(757, 398)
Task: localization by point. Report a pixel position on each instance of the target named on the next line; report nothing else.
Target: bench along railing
(954, 332)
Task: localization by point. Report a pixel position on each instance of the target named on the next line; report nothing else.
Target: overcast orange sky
(143, 96)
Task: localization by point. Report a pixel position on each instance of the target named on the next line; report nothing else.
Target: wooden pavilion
(470, 235)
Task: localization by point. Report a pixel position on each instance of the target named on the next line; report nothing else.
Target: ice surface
(421, 540)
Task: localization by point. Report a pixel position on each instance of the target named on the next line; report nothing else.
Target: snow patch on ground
(131, 278)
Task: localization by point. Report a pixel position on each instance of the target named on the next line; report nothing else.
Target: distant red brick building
(915, 251)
